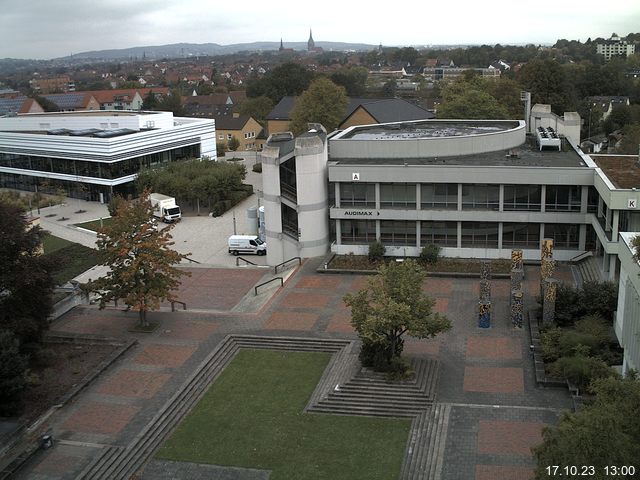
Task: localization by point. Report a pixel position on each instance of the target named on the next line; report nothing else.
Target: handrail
(581, 256)
(173, 305)
(192, 260)
(275, 269)
(255, 289)
(244, 260)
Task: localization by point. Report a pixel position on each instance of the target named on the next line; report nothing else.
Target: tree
(13, 366)
(233, 144)
(324, 102)
(547, 82)
(353, 79)
(389, 88)
(286, 79)
(469, 102)
(172, 103)
(391, 305)
(140, 259)
(258, 107)
(26, 284)
(150, 102)
(602, 434)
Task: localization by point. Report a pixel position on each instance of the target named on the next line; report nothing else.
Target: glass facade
(288, 186)
(444, 234)
(520, 235)
(289, 220)
(522, 197)
(398, 232)
(358, 231)
(398, 195)
(358, 195)
(563, 198)
(480, 197)
(439, 196)
(479, 234)
(564, 236)
(113, 170)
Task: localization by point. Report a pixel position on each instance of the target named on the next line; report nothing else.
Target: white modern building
(95, 154)
(615, 47)
(627, 319)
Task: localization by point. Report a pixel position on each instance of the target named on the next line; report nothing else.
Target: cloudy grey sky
(55, 28)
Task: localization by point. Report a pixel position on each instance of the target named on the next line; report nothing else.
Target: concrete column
(543, 199)
(459, 200)
(418, 197)
(614, 225)
(612, 267)
(500, 232)
(582, 237)
(338, 232)
(584, 199)
(501, 205)
(378, 199)
(459, 245)
(418, 233)
(541, 235)
(378, 230)
(337, 194)
(607, 221)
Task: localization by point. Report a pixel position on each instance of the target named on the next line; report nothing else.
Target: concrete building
(95, 154)
(615, 47)
(627, 316)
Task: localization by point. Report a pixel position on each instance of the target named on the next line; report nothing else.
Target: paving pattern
(489, 410)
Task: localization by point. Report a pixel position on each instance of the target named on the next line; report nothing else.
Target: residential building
(10, 105)
(243, 127)
(606, 104)
(126, 98)
(55, 84)
(451, 74)
(96, 154)
(360, 111)
(73, 101)
(615, 47)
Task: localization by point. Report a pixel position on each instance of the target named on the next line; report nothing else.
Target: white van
(247, 244)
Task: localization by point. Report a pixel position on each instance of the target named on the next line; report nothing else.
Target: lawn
(70, 259)
(94, 225)
(252, 417)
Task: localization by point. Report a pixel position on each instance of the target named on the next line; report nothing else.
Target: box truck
(247, 244)
(165, 208)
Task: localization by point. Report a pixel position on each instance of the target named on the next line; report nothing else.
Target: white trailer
(165, 208)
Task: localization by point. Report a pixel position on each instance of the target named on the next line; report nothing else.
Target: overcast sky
(56, 28)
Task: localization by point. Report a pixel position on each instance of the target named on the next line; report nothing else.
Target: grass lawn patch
(94, 225)
(252, 417)
(70, 259)
(448, 265)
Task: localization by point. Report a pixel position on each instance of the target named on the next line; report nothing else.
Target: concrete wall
(567, 125)
(271, 202)
(627, 317)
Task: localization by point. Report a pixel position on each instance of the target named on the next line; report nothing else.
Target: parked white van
(247, 244)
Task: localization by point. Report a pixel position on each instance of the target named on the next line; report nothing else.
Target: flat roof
(428, 129)
(91, 113)
(525, 155)
(622, 170)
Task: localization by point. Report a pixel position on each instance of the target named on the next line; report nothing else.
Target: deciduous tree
(324, 102)
(13, 366)
(140, 259)
(393, 304)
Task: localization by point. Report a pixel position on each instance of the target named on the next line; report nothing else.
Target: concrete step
(369, 412)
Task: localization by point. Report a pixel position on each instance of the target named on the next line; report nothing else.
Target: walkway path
(494, 412)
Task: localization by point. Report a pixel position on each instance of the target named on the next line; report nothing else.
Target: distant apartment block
(615, 47)
(57, 84)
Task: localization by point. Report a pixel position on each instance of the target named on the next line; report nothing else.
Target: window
(480, 197)
(521, 235)
(564, 236)
(439, 196)
(229, 136)
(444, 234)
(398, 195)
(220, 137)
(289, 221)
(398, 232)
(480, 234)
(358, 195)
(563, 198)
(522, 197)
(592, 200)
(358, 231)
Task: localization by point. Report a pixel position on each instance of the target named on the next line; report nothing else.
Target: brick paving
(486, 375)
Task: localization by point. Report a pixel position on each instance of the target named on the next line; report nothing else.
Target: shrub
(13, 367)
(550, 344)
(594, 298)
(257, 167)
(114, 204)
(376, 251)
(581, 370)
(430, 253)
(635, 244)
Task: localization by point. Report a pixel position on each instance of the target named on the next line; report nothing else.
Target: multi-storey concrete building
(95, 154)
(615, 47)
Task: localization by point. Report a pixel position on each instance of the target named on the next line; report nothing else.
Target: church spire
(310, 44)
(281, 45)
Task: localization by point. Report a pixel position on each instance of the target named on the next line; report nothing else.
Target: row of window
(85, 168)
(444, 196)
(247, 135)
(445, 234)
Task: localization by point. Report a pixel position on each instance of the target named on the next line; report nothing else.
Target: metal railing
(192, 260)
(173, 305)
(249, 262)
(255, 289)
(275, 269)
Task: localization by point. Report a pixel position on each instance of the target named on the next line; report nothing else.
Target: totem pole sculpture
(516, 297)
(484, 304)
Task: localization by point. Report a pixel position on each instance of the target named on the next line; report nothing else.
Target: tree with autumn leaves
(142, 270)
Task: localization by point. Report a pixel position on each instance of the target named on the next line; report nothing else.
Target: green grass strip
(252, 417)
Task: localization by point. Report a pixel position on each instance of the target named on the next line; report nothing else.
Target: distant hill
(194, 49)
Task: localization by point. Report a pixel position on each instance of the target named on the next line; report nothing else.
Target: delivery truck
(165, 208)
(247, 244)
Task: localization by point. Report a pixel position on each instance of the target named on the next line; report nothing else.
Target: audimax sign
(361, 213)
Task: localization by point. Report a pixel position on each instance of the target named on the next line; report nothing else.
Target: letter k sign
(632, 203)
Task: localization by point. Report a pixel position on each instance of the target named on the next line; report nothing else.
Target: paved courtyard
(486, 375)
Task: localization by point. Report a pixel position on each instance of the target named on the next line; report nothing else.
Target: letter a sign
(355, 177)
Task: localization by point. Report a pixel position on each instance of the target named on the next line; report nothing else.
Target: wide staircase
(589, 270)
(371, 393)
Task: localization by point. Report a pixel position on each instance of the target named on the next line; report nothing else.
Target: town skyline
(59, 28)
